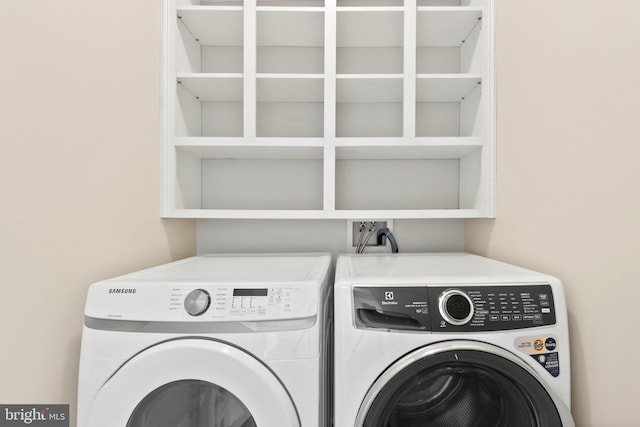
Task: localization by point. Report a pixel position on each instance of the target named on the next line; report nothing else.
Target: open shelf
(290, 105)
(391, 174)
(445, 2)
(261, 181)
(290, 3)
(451, 113)
(209, 104)
(290, 26)
(369, 3)
(369, 105)
(326, 214)
(209, 40)
(214, 25)
(445, 87)
(448, 40)
(446, 26)
(291, 59)
(213, 87)
(406, 149)
(250, 148)
(216, 2)
(370, 27)
(315, 109)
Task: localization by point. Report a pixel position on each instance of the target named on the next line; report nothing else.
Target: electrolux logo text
(389, 298)
(36, 415)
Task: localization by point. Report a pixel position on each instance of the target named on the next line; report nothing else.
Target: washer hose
(392, 240)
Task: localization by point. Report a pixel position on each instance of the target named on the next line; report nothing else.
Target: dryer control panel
(454, 308)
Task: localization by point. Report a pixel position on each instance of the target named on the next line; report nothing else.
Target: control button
(505, 317)
(455, 307)
(537, 316)
(494, 317)
(528, 317)
(544, 303)
(546, 310)
(197, 302)
(543, 297)
(517, 317)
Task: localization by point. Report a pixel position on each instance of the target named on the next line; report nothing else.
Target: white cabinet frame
(337, 109)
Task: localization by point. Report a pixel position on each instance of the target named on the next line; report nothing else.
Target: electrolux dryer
(449, 340)
(216, 341)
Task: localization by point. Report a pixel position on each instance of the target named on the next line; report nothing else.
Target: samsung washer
(215, 341)
(449, 340)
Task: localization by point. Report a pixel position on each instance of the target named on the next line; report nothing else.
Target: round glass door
(191, 403)
(458, 388)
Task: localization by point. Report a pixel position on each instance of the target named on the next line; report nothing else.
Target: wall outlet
(353, 234)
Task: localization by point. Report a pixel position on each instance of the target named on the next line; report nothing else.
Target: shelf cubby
(369, 105)
(290, 105)
(290, 40)
(265, 176)
(369, 40)
(447, 105)
(209, 104)
(213, 25)
(386, 177)
(448, 40)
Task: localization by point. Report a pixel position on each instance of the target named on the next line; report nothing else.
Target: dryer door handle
(370, 318)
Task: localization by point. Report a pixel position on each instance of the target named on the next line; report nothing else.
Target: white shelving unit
(328, 109)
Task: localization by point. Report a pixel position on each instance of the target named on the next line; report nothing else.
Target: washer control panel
(206, 302)
(454, 308)
(237, 303)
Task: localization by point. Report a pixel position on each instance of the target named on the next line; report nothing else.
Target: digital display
(250, 292)
(458, 307)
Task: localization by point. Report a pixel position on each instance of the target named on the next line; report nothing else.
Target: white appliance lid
(238, 268)
(431, 266)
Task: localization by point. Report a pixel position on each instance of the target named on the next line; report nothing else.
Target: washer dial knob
(197, 302)
(455, 307)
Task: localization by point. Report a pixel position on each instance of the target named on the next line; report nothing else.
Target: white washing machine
(215, 341)
(449, 340)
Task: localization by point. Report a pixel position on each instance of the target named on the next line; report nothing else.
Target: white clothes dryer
(449, 340)
(215, 341)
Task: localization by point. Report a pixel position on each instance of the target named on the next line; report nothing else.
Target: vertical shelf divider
(249, 69)
(167, 110)
(409, 69)
(329, 156)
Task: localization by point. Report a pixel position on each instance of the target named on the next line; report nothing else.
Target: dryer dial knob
(455, 307)
(197, 302)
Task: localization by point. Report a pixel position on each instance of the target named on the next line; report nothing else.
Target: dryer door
(193, 383)
(461, 384)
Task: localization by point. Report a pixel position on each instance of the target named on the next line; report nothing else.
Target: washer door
(193, 383)
(461, 384)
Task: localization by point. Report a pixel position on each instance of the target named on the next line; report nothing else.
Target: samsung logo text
(122, 290)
